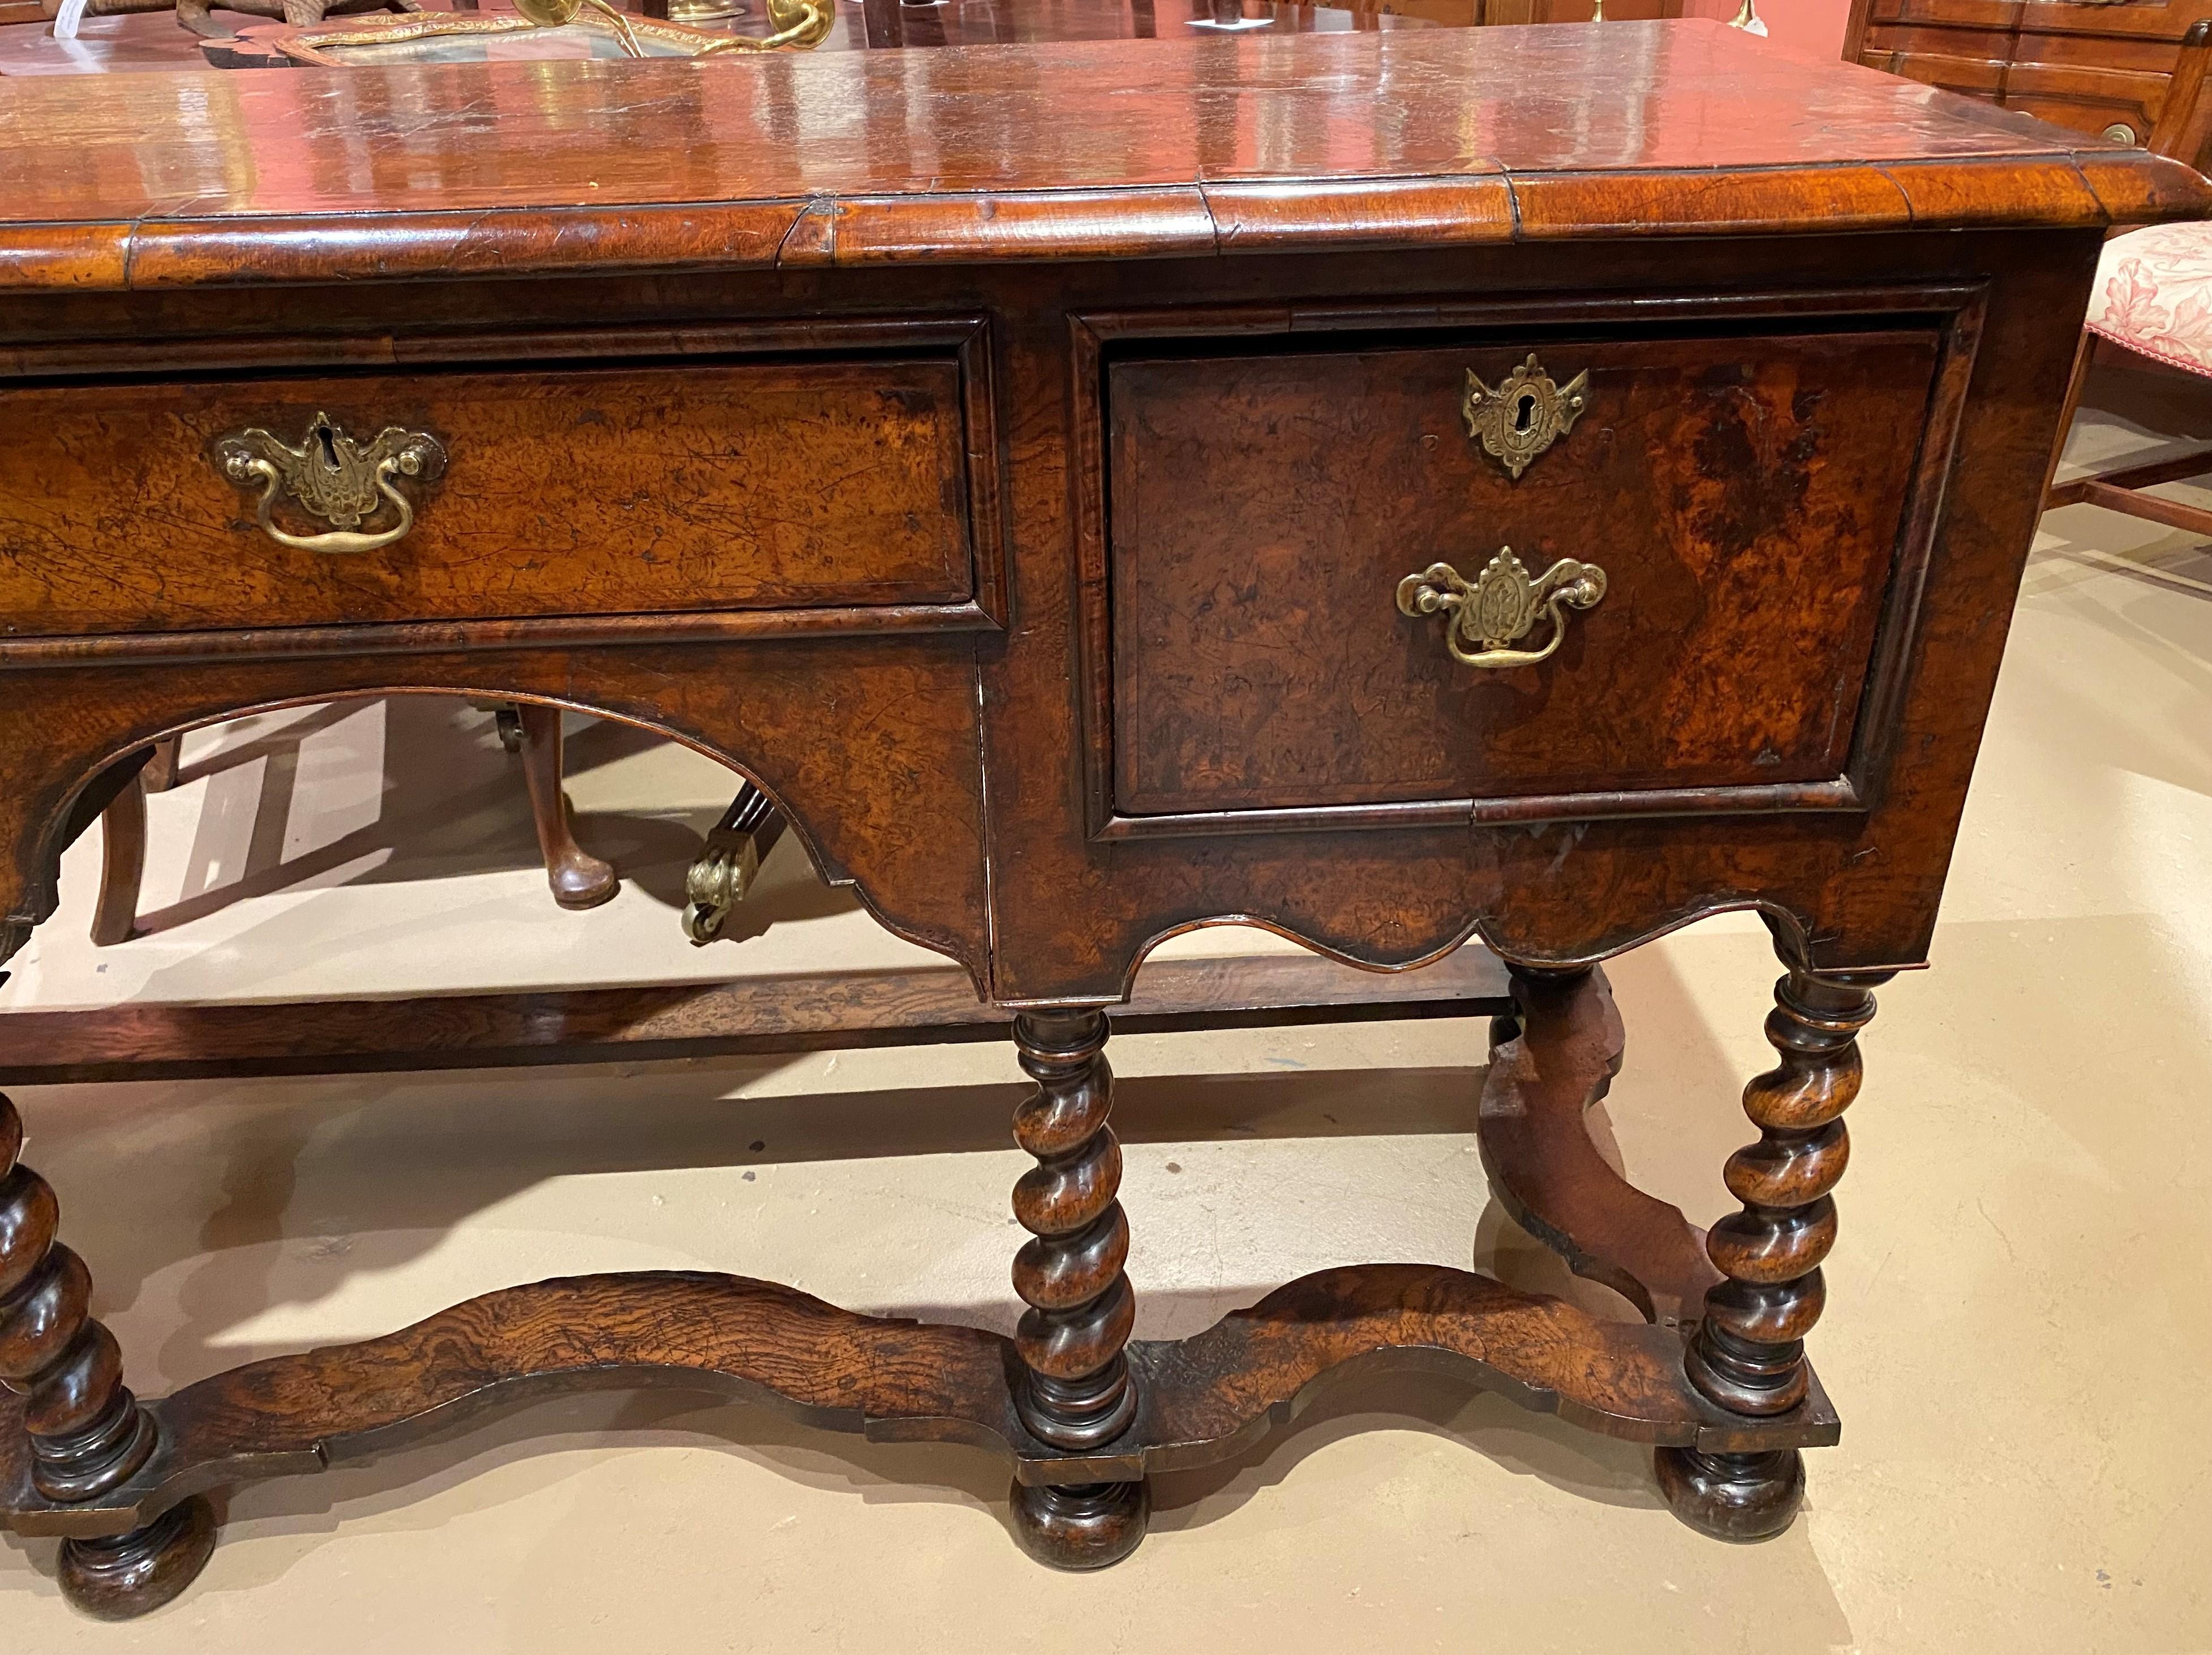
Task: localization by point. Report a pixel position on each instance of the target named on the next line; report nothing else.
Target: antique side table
(1539, 485)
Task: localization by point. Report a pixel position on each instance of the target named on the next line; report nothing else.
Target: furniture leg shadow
(578, 879)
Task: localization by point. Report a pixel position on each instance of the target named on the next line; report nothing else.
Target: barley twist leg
(1075, 1391)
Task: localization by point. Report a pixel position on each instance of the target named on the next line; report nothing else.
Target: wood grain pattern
(872, 750)
(1561, 1049)
(1204, 1398)
(1849, 889)
(1020, 161)
(1855, 892)
(1617, 1379)
(1744, 495)
(2184, 123)
(567, 492)
(892, 24)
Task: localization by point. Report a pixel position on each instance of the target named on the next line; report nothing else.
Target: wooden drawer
(2140, 19)
(1745, 494)
(2143, 19)
(2119, 103)
(1991, 47)
(1977, 77)
(685, 484)
(2001, 14)
(2113, 108)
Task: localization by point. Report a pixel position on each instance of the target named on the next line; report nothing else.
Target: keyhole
(329, 448)
(1524, 412)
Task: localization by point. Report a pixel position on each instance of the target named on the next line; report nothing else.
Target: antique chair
(2153, 298)
(579, 879)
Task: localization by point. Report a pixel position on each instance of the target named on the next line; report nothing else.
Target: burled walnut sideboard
(1533, 485)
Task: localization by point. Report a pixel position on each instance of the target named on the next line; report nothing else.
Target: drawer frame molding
(1957, 308)
(968, 335)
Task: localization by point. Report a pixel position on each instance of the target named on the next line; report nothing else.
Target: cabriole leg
(87, 1432)
(579, 879)
(1748, 1352)
(1075, 1391)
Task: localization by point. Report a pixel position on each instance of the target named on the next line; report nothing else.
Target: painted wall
(1803, 29)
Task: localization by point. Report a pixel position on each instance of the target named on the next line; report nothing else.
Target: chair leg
(2122, 489)
(122, 864)
(161, 772)
(2084, 358)
(579, 880)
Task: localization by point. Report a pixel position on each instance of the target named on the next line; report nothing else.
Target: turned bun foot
(129, 1574)
(1086, 1527)
(1732, 1496)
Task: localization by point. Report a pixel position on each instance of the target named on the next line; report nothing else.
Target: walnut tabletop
(1533, 487)
(1112, 148)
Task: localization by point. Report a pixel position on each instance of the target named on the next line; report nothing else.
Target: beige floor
(2017, 1329)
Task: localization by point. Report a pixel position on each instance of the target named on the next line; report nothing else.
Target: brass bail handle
(1485, 617)
(330, 476)
(1515, 421)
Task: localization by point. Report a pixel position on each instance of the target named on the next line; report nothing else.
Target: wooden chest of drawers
(1392, 489)
(2098, 66)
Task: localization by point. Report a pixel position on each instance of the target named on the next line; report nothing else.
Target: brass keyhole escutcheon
(1525, 413)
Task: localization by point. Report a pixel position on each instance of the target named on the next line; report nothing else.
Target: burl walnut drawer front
(478, 493)
(1683, 589)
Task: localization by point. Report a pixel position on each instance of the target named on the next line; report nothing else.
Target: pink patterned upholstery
(2153, 293)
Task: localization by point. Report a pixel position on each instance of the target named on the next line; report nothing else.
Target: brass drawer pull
(332, 477)
(1523, 414)
(1499, 606)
